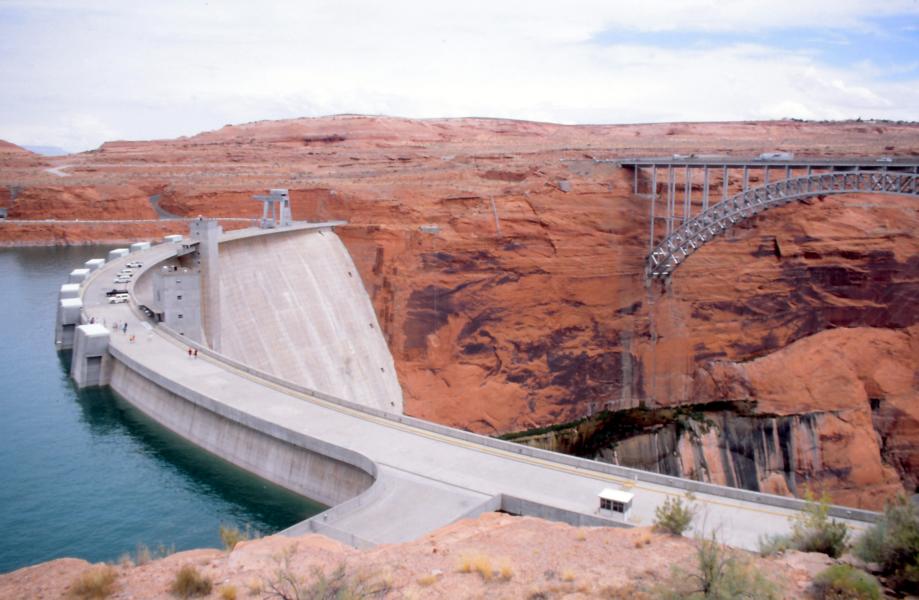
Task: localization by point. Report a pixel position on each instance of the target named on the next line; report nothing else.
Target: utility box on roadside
(615, 503)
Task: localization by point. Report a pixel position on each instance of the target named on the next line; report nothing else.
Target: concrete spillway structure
(293, 305)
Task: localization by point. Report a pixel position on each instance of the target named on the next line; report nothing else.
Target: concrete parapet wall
(328, 474)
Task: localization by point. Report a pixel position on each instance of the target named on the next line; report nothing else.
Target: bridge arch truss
(688, 224)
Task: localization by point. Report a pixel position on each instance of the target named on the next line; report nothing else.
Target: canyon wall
(505, 265)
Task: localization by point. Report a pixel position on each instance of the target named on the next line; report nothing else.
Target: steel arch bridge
(692, 235)
(685, 232)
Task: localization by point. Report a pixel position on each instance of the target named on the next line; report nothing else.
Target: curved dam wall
(293, 305)
(325, 473)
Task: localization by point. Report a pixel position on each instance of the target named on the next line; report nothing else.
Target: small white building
(615, 503)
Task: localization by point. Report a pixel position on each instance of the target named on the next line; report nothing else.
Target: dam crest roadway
(388, 477)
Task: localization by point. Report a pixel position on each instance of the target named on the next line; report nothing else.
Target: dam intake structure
(303, 393)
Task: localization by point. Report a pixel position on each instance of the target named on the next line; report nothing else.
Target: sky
(76, 73)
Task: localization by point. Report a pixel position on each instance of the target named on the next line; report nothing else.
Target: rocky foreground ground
(505, 262)
(494, 556)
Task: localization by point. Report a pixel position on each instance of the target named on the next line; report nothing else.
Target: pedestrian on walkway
(124, 328)
(189, 353)
(196, 353)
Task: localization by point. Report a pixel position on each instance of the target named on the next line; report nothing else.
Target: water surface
(84, 474)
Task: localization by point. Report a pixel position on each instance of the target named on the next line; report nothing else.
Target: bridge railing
(692, 235)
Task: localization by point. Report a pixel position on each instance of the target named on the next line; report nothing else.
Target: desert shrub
(842, 582)
(814, 531)
(893, 543)
(228, 592)
(144, 555)
(719, 575)
(773, 544)
(337, 585)
(231, 535)
(476, 563)
(674, 516)
(426, 580)
(190, 583)
(95, 583)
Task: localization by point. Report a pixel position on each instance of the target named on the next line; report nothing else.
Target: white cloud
(77, 73)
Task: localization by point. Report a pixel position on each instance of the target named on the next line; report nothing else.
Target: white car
(118, 300)
(134, 265)
(122, 280)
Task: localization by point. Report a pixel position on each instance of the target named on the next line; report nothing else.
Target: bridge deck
(425, 479)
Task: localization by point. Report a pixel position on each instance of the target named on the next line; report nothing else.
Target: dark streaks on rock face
(822, 290)
(751, 449)
(460, 262)
(491, 315)
(903, 456)
(428, 310)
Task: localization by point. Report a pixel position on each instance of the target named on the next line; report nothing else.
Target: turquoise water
(83, 473)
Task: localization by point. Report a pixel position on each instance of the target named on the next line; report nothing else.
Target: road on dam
(426, 477)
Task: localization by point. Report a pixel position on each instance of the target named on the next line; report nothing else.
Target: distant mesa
(46, 150)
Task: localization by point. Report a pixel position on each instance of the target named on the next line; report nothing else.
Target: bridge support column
(671, 200)
(653, 202)
(705, 188)
(687, 194)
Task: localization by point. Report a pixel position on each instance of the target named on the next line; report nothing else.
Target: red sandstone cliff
(525, 304)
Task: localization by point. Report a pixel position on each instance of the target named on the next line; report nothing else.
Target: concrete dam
(293, 305)
(293, 382)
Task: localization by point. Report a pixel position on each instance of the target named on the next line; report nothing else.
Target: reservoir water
(84, 474)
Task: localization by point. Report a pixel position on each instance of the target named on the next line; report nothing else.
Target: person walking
(124, 328)
(189, 352)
